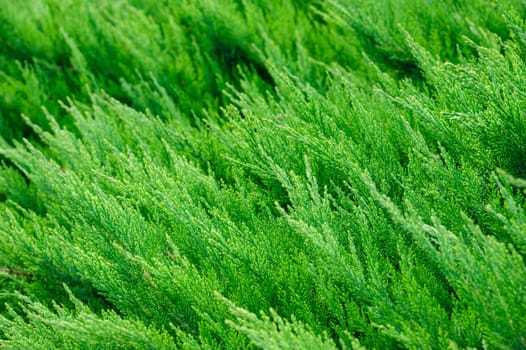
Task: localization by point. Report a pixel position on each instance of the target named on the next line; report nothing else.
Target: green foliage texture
(245, 174)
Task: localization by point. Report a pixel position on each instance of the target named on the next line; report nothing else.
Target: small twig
(15, 273)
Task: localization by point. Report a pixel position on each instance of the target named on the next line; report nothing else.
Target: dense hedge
(262, 174)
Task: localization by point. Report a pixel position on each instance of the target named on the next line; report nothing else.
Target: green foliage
(262, 174)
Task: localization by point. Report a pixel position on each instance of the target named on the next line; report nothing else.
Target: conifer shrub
(262, 174)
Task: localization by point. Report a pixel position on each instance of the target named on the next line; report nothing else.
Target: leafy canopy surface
(262, 174)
